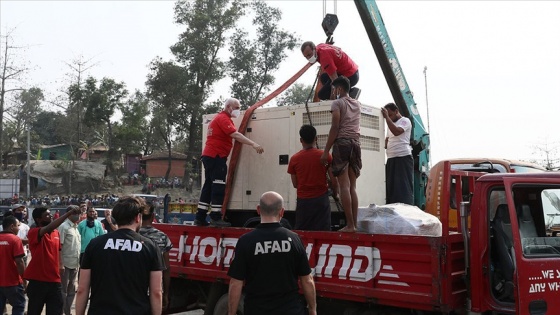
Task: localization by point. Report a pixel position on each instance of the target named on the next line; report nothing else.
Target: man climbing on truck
(214, 157)
(334, 63)
(344, 139)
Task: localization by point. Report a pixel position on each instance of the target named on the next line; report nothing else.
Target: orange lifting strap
(243, 128)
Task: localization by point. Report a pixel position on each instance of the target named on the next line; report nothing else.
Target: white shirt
(399, 145)
(22, 234)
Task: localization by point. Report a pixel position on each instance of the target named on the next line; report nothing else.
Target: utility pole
(427, 108)
(28, 160)
(426, 87)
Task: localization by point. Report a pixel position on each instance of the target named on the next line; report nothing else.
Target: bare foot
(347, 230)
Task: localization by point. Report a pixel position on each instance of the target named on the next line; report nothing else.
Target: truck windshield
(539, 227)
(526, 169)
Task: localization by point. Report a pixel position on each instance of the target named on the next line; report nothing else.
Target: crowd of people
(44, 261)
(103, 200)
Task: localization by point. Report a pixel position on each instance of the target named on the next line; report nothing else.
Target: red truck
(502, 256)
(509, 262)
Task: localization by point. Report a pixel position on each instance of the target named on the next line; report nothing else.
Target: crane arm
(381, 43)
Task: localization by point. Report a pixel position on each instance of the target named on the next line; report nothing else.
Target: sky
(493, 67)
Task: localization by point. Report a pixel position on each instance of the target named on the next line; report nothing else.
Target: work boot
(219, 223)
(200, 223)
(354, 93)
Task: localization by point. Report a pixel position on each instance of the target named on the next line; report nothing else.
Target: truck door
(534, 206)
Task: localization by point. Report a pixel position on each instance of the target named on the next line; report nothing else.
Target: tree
(547, 154)
(77, 97)
(207, 23)
(131, 133)
(296, 94)
(253, 61)
(101, 106)
(24, 110)
(167, 86)
(165, 131)
(11, 71)
(49, 128)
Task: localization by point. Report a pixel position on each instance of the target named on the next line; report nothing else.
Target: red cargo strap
(243, 127)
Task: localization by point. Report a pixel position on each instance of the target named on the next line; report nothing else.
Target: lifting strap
(243, 128)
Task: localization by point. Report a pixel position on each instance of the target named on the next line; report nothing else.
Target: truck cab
(515, 249)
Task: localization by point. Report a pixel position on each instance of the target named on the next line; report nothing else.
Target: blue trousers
(15, 295)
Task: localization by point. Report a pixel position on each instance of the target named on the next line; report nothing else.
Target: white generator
(276, 129)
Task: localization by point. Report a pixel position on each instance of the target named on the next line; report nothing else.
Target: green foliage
(101, 106)
(296, 94)
(253, 61)
(23, 112)
(49, 128)
(207, 23)
(131, 132)
(103, 100)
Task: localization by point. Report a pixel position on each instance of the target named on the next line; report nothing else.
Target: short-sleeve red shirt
(311, 174)
(218, 139)
(333, 59)
(11, 247)
(44, 262)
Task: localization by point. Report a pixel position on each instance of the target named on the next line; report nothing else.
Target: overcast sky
(493, 67)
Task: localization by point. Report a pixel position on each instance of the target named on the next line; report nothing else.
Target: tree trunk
(168, 161)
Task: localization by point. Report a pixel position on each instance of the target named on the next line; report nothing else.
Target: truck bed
(418, 272)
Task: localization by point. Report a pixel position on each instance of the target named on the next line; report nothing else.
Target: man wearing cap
(19, 213)
(162, 241)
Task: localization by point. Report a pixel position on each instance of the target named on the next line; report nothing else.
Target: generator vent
(324, 118)
(369, 121)
(369, 143)
(366, 142)
(319, 118)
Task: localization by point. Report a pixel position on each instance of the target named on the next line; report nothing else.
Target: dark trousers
(399, 180)
(41, 293)
(325, 91)
(15, 295)
(214, 188)
(313, 214)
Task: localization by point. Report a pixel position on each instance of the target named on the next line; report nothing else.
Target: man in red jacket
(334, 63)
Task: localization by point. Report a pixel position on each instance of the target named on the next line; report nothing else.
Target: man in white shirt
(19, 212)
(70, 239)
(400, 164)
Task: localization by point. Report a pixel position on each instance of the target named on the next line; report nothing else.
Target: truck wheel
(221, 307)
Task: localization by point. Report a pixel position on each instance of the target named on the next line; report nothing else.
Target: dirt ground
(175, 193)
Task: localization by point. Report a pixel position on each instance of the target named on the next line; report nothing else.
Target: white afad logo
(123, 245)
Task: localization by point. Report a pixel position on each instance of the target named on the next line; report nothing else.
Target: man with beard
(89, 229)
(400, 164)
(70, 240)
(122, 268)
(43, 274)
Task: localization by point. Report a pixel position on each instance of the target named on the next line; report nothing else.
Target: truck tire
(221, 307)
